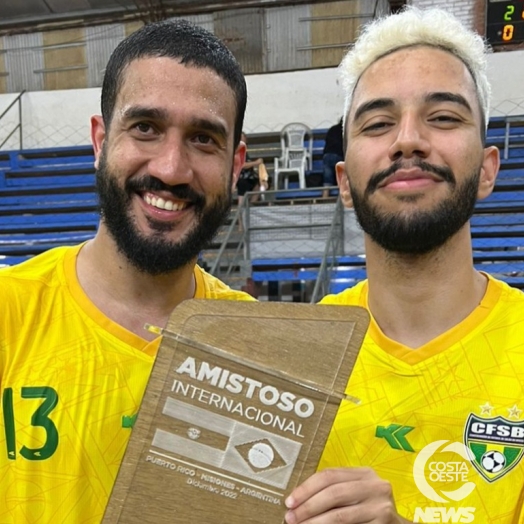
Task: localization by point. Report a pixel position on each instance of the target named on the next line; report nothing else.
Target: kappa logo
(497, 445)
(395, 436)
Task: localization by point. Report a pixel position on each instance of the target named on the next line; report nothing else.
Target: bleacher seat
(497, 227)
(47, 198)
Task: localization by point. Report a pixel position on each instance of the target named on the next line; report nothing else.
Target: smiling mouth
(166, 204)
(410, 177)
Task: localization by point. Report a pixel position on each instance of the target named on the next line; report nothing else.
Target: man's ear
(488, 172)
(343, 184)
(239, 159)
(98, 135)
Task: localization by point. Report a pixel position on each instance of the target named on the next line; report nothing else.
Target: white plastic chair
(296, 157)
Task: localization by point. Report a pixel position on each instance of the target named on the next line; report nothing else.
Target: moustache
(443, 172)
(180, 191)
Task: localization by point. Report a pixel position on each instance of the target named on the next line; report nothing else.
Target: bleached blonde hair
(411, 27)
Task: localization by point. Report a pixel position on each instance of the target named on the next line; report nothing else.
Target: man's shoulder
(214, 288)
(38, 269)
(510, 297)
(30, 287)
(349, 297)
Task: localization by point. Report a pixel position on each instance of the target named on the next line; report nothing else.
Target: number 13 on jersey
(39, 426)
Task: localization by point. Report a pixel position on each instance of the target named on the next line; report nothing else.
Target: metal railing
(238, 253)
(519, 141)
(18, 127)
(334, 249)
(256, 228)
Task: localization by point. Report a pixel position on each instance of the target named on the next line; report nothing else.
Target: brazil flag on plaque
(496, 444)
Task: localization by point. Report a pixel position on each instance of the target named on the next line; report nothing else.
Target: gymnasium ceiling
(22, 15)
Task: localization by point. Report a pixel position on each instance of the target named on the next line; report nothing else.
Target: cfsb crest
(496, 445)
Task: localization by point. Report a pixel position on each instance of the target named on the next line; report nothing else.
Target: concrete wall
(61, 118)
(506, 72)
(464, 10)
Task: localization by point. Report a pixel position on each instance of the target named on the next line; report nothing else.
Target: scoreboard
(505, 22)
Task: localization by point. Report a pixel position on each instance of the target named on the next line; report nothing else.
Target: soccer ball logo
(493, 461)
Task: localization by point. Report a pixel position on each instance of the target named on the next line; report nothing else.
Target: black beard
(153, 254)
(423, 231)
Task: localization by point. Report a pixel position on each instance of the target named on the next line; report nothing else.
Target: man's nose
(170, 161)
(410, 140)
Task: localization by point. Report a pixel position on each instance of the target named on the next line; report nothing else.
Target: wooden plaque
(237, 411)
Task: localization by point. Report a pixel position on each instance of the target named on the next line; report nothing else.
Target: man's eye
(143, 127)
(204, 139)
(376, 126)
(445, 118)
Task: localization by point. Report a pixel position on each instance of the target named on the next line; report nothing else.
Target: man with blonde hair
(438, 432)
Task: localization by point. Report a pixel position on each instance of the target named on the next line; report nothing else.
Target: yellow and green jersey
(443, 423)
(71, 383)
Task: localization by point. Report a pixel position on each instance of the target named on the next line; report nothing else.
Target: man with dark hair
(74, 354)
(190, 45)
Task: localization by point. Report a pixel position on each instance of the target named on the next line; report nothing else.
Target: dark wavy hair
(191, 45)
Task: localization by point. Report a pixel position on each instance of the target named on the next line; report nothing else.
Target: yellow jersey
(71, 383)
(443, 423)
